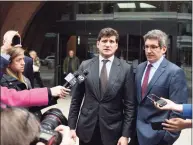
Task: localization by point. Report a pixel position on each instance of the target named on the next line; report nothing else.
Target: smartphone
(15, 40)
(157, 125)
(155, 98)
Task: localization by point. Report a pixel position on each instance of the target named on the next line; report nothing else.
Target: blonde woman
(13, 77)
(36, 67)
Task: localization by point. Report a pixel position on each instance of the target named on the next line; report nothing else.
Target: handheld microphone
(70, 80)
(82, 76)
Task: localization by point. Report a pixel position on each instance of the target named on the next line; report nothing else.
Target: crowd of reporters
(24, 127)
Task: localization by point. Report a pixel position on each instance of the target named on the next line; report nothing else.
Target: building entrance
(81, 36)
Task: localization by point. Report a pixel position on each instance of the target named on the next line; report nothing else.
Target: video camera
(49, 121)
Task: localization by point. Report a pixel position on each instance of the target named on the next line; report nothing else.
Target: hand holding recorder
(157, 100)
(169, 106)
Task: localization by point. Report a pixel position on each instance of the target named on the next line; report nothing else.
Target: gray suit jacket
(115, 111)
(169, 82)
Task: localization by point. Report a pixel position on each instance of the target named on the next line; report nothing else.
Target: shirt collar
(157, 63)
(110, 58)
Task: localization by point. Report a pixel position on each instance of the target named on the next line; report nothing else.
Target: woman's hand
(176, 124)
(59, 91)
(169, 106)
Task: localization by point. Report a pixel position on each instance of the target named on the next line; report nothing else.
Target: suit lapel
(156, 75)
(113, 75)
(139, 79)
(95, 75)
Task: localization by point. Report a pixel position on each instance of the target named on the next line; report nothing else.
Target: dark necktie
(103, 77)
(145, 80)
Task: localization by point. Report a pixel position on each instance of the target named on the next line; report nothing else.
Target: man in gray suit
(160, 77)
(108, 110)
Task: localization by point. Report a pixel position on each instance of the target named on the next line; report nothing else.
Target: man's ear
(164, 49)
(97, 44)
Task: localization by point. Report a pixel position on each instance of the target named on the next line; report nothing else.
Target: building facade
(53, 28)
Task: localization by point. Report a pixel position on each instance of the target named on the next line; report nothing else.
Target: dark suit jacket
(28, 70)
(169, 82)
(114, 111)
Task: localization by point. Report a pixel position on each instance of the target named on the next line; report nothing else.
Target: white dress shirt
(153, 69)
(108, 64)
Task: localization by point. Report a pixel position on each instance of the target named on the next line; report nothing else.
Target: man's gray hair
(159, 35)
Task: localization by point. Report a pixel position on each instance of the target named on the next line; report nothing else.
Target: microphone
(82, 76)
(71, 79)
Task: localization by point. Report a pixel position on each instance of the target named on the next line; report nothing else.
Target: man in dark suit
(12, 39)
(160, 77)
(108, 108)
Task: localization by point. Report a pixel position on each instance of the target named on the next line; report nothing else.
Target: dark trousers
(96, 137)
(38, 79)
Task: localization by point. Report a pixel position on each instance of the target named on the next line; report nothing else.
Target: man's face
(107, 46)
(71, 53)
(153, 51)
(17, 64)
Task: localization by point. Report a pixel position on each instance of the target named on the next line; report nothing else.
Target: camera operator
(65, 131)
(21, 130)
(24, 129)
(27, 98)
(177, 124)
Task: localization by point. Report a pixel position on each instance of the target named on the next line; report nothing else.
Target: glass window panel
(95, 8)
(108, 8)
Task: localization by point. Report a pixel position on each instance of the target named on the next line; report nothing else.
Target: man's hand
(169, 106)
(65, 131)
(123, 141)
(59, 91)
(73, 135)
(176, 124)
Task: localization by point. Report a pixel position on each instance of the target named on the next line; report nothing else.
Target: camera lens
(53, 118)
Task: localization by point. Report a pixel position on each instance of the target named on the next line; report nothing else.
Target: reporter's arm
(33, 97)
(25, 98)
(176, 124)
(187, 111)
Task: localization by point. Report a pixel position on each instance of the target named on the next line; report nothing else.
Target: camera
(49, 121)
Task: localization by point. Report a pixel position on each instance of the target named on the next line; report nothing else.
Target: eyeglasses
(151, 47)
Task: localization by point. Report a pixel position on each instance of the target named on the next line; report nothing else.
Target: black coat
(115, 111)
(12, 83)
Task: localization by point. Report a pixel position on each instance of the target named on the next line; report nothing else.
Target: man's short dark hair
(108, 32)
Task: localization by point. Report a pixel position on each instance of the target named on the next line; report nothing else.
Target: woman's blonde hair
(14, 52)
(18, 127)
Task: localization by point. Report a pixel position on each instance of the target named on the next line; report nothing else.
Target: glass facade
(83, 21)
